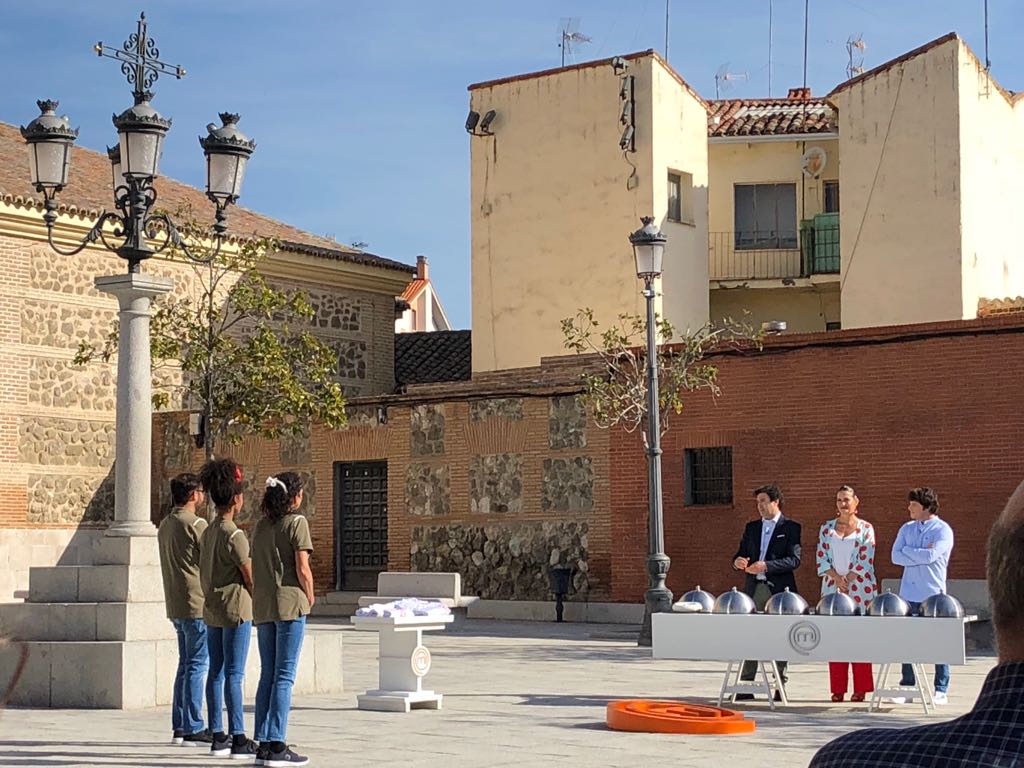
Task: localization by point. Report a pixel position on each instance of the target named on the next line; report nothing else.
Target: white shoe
(940, 698)
(897, 699)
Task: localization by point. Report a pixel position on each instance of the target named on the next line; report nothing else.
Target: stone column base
(135, 674)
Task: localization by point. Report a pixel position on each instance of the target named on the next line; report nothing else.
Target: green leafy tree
(615, 391)
(246, 358)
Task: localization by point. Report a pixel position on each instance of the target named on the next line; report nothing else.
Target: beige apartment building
(884, 202)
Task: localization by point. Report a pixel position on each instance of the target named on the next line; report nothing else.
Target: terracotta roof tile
(88, 192)
(770, 117)
(1011, 305)
(413, 289)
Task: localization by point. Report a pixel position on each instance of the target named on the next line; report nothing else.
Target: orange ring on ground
(647, 716)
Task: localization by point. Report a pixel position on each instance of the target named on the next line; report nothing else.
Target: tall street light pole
(649, 251)
(135, 232)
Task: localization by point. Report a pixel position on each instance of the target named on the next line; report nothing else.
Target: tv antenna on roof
(724, 79)
(855, 47)
(569, 35)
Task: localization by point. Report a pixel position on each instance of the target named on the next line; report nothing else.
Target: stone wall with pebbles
(55, 325)
(333, 312)
(65, 442)
(351, 359)
(504, 562)
(70, 499)
(496, 484)
(428, 490)
(497, 407)
(567, 423)
(62, 384)
(568, 485)
(426, 430)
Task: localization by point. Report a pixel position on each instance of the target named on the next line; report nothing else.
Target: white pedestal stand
(404, 662)
(771, 681)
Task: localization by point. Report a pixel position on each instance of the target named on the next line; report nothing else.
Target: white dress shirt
(767, 529)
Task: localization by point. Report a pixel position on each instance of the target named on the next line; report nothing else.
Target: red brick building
(503, 475)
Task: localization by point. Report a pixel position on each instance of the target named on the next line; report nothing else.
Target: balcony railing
(739, 256)
(742, 256)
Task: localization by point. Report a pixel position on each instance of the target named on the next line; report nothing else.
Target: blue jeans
(941, 670)
(229, 648)
(280, 643)
(193, 661)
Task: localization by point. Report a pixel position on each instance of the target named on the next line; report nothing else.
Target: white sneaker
(897, 699)
(940, 698)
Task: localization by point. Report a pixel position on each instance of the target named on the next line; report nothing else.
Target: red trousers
(839, 678)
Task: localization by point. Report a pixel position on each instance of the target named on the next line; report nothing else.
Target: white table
(404, 662)
(873, 639)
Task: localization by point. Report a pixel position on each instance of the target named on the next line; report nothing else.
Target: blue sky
(358, 106)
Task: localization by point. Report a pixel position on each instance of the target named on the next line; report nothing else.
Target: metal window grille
(708, 475)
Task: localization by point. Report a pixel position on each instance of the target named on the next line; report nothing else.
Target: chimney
(421, 267)
(799, 94)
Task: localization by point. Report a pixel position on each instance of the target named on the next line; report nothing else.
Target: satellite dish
(813, 162)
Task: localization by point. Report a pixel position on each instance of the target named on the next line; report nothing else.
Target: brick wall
(881, 409)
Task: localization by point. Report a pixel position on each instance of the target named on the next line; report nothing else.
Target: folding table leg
(876, 695)
(779, 686)
(923, 688)
(767, 687)
(725, 684)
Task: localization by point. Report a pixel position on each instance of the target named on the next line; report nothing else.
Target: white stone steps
(95, 584)
(140, 673)
(85, 621)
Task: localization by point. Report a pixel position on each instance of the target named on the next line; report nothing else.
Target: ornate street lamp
(649, 251)
(135, 163)
(135, 231)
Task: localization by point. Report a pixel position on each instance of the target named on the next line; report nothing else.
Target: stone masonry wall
(57, 419)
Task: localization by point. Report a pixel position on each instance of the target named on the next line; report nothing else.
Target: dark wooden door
(360, 524)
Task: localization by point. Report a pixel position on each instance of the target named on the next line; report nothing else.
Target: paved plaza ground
(526, 694)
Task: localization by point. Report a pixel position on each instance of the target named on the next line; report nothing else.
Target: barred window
(707, 474)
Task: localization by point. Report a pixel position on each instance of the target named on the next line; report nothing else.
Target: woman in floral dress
(846, 563)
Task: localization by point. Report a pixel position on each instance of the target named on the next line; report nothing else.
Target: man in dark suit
(992, 733)
(769, 552)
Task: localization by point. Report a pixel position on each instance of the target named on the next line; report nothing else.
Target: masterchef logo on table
(804, 637)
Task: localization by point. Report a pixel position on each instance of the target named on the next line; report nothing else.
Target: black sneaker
(262, 753)
(284, 758)
(245, 751)
(220, 746)
(177, 736)
(201, 738)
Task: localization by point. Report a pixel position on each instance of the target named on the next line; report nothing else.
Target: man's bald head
(1006, 577)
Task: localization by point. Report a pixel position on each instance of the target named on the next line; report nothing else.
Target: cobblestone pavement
(526, 694)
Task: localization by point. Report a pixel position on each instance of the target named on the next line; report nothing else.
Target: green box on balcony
(826, 242)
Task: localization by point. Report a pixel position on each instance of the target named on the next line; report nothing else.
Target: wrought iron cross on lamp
(649, 252)
(135, 162)
(136, 231)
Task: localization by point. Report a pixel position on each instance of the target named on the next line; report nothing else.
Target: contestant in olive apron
(282, 598)
(226, 575)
